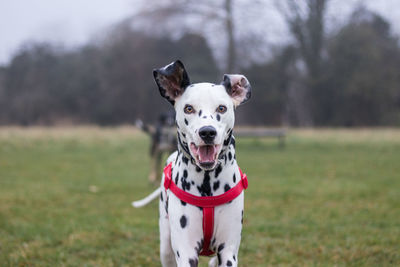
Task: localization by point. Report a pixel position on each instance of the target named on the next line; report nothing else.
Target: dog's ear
(172, 80)
(238, 87)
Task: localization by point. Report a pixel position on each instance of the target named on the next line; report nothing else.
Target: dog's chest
(195, 181)
(186, 218)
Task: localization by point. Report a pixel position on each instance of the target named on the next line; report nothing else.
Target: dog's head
(204, 111)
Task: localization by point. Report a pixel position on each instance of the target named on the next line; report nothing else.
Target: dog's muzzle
(205, 155)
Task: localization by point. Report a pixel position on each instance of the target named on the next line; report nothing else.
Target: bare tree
(215, 19)
(307, 26)
(306, 22)
(231, 54)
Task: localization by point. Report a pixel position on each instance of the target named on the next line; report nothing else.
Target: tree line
(349, 77)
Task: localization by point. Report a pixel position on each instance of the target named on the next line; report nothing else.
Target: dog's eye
(221, 109)
(188, 109)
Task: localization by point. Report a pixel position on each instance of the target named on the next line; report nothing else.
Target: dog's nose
(207, 133)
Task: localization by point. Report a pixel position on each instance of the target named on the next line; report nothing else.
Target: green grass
(329, 198)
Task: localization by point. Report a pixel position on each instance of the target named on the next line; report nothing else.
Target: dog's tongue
(206, 153)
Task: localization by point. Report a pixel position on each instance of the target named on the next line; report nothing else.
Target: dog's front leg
(228, 257)
(186, 232)
(188, 261)
(166, 252)
(186, 252)
(228, 232)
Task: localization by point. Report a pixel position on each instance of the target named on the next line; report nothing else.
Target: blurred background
(323, 194)
(311, 63)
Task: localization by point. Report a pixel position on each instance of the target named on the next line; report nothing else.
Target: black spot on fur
(183, 221)
(227, 187)
(234, 177)
(198, 169)
(233, 142)
(218, 117)
(242, 216)
(228, 140)
(193, 262)
(184, 135)
(228, 263)
(204, 117)
(219, 259)
(186, 122)
(200, 112)
(183, 203)
(185, 160)
(176, 178)
(211, 117)
(177, 253)
(230, 156)
(185, 173)
(218, 170)
(183, 145)
(161, 197)
(234, 257)
(205, 188)
(185, 184)
(216, 185)
(192, 182)
(166, 205)
(221, 247)
(199, 246)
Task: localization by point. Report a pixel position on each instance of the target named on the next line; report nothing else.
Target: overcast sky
(67, 21)
(75, 22)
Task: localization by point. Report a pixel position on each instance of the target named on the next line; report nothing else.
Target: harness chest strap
(207, 203)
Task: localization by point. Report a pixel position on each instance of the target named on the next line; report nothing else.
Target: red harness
(207, 203)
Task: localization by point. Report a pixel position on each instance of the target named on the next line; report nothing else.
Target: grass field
(329, 198)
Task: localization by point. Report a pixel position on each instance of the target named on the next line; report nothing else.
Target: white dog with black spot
(201, 193)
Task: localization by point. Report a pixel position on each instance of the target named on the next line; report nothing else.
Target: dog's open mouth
(205, 155)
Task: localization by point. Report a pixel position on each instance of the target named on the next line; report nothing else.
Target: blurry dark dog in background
(163, 142)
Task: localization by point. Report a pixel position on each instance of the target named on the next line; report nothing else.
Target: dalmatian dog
(204, 166)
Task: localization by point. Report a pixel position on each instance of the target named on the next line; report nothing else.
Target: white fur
(180, 223)
(205, 97)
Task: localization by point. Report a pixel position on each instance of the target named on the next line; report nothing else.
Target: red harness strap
(207, 203)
